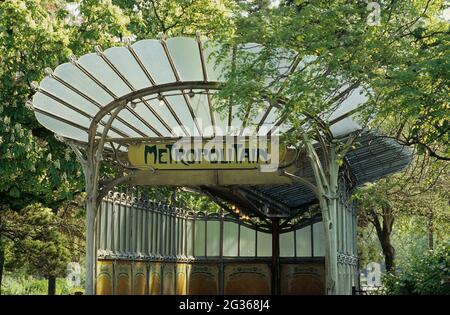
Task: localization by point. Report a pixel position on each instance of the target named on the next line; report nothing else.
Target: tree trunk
(388, 252)
(51, 285)
(384, 230)
(51, 288)
(430, 231)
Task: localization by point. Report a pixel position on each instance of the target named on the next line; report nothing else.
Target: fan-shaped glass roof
(168, 87)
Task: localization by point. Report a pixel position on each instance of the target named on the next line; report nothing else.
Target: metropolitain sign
(195, 155)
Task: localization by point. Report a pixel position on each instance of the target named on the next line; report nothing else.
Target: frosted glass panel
(155, 239)
(182, 49)
(109, 225)
(128, 229)
(319, 241)
(134, 231)
(189, 238)
(181, 109)
(264, 244)
(287, 244)
(230, 239)
(216, 70)
(213, 238)
(344, 126)
(304, 242)
(115, 240)
(176, 234)
(143, 111)
(356, 98)
(49, 105)
(66, 94)
(76, 78)
(120, 73)
(149, 234)
(103, 73)
(103, 225)
(123, 229)
(139, 217)
(154, 59)
(199, 248)
(247, 243)
(123, 60)
(61, 128)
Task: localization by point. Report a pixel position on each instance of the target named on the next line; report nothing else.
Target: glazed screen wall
(149, 248)
(147, 230)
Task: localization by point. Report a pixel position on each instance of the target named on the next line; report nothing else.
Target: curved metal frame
(94, 155)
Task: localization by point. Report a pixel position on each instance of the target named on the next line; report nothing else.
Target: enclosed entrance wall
(143, 245)
(131, 228)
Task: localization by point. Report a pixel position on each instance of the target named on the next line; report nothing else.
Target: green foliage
(426, 274)
(408, 210)
(18, 283)
(35, 168)
(177, 17)
(402, 64)
(36, 243)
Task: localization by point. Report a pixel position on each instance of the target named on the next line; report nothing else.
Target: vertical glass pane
(103, 224)
(189, 237)
(122, 229)
(174, 235)
(162, 234)
(181, 238)
(247, 242)
(115, 227)
(339, 226)
(304, 242)
(354, 235)
(349, 229)
(151, 218)
(344, 229)
(199, 246)
(319, 240)
(130, 229)
(264, 244)
(177, 236)
(139, 219)
(213, 238)
(230, 239)
(144, 231)
(287, 244)
(167, 234)
(155, 240)
(109, 226)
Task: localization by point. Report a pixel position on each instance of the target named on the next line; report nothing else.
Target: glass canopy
(168, 86)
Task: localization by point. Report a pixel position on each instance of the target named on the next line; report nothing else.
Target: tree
(349, 53)
(426, 274)
(177, 17)
(419, 192)
(35, 167)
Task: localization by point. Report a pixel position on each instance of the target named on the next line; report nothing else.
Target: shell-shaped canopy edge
(171, 83)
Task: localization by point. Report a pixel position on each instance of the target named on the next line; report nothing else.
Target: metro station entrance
(147, 115)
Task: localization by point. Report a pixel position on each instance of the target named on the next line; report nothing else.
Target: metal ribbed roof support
(178, 79)
(86, 97)
(105, 88)
(152, 81)
(205, 78)
(131, 87)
